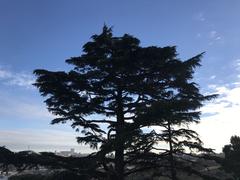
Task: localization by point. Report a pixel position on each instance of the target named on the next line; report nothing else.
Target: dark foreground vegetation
(56, 175)
(47, 166)
(133, 104)
(232, 157)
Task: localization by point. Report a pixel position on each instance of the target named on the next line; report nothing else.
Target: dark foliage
(231, 151)
(58, 175)
(118, 93)
(24, 160)
(127, 101)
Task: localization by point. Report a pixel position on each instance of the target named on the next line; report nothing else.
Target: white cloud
(5, 74)
(220, 118)
(22, 79)
(212, 77)
(212, 86)
(236, 83)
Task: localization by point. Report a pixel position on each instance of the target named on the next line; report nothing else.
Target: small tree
(232, 156)
(172, 114)
(115, 91)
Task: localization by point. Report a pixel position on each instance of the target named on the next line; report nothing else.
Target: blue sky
(42, 34)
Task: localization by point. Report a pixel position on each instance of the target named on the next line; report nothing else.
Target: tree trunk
(119, 152)
(172, 162)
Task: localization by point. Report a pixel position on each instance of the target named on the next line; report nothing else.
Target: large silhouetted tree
(118, 92)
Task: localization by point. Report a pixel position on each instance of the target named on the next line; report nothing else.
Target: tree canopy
(125, 99)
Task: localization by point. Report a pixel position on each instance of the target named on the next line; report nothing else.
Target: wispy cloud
(214, 35)
(212, 77)
(200, 17)
(198, 35)
(237, 64)
(22, 79)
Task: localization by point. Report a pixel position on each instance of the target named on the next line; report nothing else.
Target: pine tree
(172, 113)
(117, 93)
(176, 141)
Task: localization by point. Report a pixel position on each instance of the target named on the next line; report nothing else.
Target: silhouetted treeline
(30, 165)
(29, 160)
